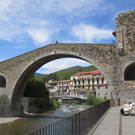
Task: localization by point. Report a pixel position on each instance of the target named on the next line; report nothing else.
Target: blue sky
(26, 25)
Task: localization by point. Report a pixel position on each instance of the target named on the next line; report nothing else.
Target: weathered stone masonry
(110, 59)
(125, 31)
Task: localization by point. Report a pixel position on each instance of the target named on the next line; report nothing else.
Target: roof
(96, 72)
(114, 33)
(59, 81)
(64, 81)
(88, 72)
(82, 73)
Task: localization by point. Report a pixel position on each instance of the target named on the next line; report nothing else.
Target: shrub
(76, 102)
(90, 98)
(70, 102)
(105, 98)
(56, 104)
(97, 101)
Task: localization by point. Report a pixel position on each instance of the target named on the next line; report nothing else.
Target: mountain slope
(64, 74)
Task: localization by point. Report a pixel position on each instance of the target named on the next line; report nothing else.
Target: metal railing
(77, 124)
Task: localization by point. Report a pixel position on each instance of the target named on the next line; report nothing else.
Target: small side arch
(2, 81)
(129, 73)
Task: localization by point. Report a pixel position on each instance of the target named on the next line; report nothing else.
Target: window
(2, 81)
(92, 80)
(106, 87)
(88, 81)
(97, 80)
(83, 82)
(102, 79)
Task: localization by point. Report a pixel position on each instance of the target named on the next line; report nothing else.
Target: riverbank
(28, 123)
(8, 119)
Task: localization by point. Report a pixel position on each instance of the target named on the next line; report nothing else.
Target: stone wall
(125, 33)
(125, 25)
(28, 105)
(103, 91)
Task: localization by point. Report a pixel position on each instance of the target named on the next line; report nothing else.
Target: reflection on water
(35, 121)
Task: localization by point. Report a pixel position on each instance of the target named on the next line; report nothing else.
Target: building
(63, 86)
(91, 81)
(52, 85)
(58, 86)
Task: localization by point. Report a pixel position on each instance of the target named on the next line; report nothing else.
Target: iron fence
(77, 124)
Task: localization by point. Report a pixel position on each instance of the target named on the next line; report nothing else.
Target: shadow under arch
(129, 73)
(30, 70)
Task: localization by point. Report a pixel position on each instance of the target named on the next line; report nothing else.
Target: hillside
(64, 74)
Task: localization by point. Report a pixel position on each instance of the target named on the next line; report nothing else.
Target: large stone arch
(31, 69)
(18, 70)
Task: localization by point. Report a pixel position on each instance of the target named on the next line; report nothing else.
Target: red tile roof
(82, 73)
(88, 72)
(96, 72)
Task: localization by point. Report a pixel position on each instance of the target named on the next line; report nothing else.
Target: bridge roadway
(109, 124)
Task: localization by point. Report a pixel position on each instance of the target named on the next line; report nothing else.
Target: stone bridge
(115, 61)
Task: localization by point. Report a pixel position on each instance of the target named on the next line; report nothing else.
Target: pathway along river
(28, 124)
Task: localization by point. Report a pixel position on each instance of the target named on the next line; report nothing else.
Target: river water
(35, 121)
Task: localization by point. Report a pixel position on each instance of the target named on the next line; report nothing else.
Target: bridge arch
(129, 72)
(28, 71)
(18, 70)
(2, 81)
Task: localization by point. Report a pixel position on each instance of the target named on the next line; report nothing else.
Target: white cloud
(89, 33)
(64, 63)
(39, 20)
(39, 36)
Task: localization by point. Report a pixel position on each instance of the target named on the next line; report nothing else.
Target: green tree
(90, 98)
(35, 88)
(97, 101)
(44, 79)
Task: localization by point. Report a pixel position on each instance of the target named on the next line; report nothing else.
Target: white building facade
(91, 81)
(58, 86)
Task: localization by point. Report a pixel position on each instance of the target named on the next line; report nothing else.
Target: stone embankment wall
(28, 105)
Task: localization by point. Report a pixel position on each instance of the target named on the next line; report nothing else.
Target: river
(35, 121)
